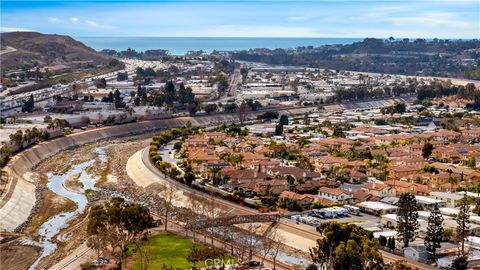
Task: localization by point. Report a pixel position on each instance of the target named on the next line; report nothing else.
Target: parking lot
(315, 217)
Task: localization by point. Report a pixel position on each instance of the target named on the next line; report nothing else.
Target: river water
(50, 228)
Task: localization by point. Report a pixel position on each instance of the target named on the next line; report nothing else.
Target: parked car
(253, 263)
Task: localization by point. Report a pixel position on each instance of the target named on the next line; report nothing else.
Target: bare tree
(243, 112)
(169, 194)
(212, 211)
(145, 251)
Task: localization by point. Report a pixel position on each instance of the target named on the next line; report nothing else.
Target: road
(235, 80)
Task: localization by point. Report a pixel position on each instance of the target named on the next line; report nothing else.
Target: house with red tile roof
(408, 187)
(379, 189)
(271, 187)
(305, 200)
(296, 172)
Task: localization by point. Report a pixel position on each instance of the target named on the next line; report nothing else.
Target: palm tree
(451, 180)
(214, 174)
(269, 189)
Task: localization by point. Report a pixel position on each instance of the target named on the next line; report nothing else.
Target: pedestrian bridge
(231, 220)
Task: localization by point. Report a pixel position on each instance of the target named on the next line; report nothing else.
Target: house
(362, 195)
(264, 165)
(236, 176)
(377, 208)
(408, 187)
(403, 171)
(328, 161)
(335, 194)
(451, 199)
(271, 187)
(308, 185)
(295, 172)
(379, 189)
(305, 200)
(416, 253)
(355, 176)
(429, 203)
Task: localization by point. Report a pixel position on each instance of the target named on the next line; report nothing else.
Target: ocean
(181, 45)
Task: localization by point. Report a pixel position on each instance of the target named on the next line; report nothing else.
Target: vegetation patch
(74, 183)
(51, 205)
(170, 250)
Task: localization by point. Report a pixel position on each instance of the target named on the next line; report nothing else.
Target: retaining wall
(18, 202)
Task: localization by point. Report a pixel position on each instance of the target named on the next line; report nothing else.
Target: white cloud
(74, 20)
(53, 19)
(434, 19)
(14, 29)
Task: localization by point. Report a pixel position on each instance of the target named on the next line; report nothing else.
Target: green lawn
(168, 249)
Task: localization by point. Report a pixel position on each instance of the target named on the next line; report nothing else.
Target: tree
(407, 219)
(463, 221)
(306, 120)
(118, 99)
(117, 224)
(210, 108)
(427, 150)
(185, 95)
(399, 108)
(122, 76)
(391, 243)
(278, 129)
(17, 137)
(472, 162)
(283, 119)
(29, 104)
(459, 263)
(169, 93)
(47, 119)
(169, 194)
(382, 240)
(101, 83)
(345, 246)
(434, 231)
(243, 111)
(192, 108)
(338, 132)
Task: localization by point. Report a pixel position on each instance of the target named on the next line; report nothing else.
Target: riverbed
(56, 183)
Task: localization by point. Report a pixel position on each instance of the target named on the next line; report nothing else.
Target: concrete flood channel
(56, 183)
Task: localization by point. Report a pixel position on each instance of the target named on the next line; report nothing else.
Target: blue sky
(327, 18)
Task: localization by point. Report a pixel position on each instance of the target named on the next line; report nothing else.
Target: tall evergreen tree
(169, 93)
(28, 105)
(407, 219)
(306, 120)
(463, 221)
(283, 119)
(434, 232)
(279, 129)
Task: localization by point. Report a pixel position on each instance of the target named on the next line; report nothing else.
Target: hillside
(441, 58)
(55, 52)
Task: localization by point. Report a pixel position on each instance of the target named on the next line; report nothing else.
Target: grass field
(168, 249)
